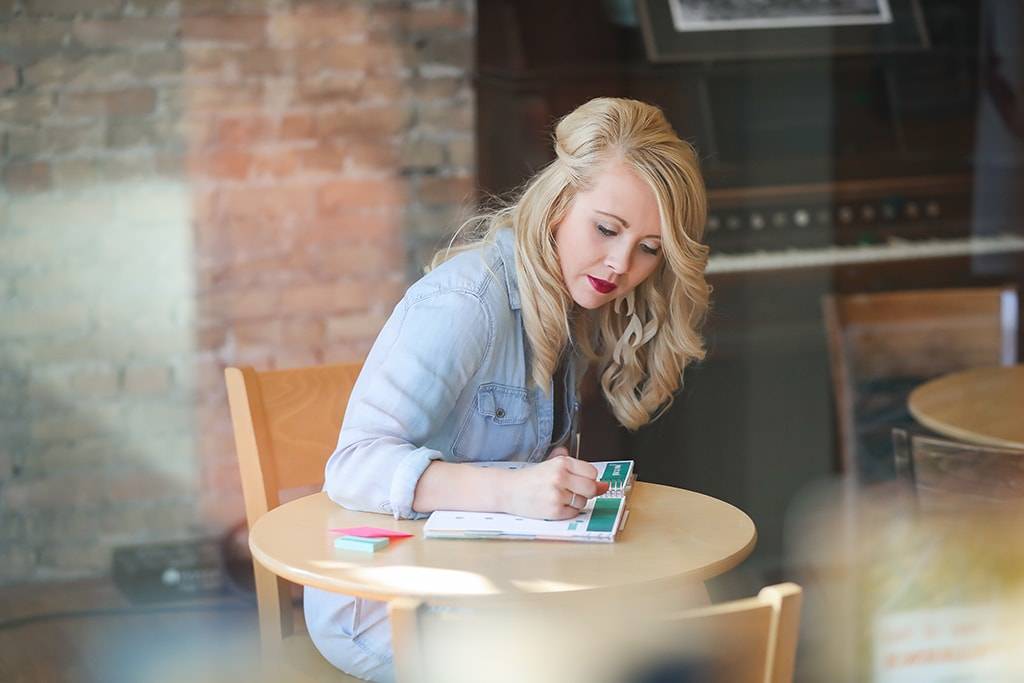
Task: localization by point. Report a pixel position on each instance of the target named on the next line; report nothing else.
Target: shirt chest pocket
(497, 426)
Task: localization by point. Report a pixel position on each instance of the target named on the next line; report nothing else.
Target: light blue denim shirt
(447, 379)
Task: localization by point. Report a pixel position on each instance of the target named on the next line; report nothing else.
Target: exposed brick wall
(187, 185)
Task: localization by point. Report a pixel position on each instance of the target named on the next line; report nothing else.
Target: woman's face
(610, 241)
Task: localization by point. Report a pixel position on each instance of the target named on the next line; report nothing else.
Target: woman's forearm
(453, 486)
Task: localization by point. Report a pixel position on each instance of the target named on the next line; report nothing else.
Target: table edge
(302, 578)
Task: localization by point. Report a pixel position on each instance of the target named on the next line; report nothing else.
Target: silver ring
(572, 501)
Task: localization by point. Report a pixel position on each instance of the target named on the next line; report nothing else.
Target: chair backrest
(887, 342)
(745, 641)
(286, 425)
(952, 476)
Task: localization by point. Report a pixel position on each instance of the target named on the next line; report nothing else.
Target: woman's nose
(618, 260)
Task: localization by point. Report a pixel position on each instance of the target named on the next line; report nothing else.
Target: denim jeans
(351, 633)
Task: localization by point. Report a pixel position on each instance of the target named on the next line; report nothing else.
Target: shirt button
(500, 412)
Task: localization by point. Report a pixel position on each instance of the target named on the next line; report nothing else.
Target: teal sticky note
(361, 544)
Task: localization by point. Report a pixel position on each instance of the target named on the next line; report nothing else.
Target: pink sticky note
(370, 532)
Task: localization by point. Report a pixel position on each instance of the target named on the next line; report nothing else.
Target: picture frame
(896, 26)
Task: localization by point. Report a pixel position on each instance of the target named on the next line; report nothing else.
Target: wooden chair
(744, 641)
(951, 476)
(883, 345)
(286, 425)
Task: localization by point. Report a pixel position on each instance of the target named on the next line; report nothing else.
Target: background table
(672, 536)
(983, 405)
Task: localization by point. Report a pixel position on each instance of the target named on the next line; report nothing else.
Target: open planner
(598, 522)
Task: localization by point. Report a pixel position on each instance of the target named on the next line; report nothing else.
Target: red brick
(379, 156)
(297, 126)
(313, 61)
(242, 129)
(308, 28)
(347, 194)
(256, 332)
(126, 102)
(446, 190)
(237, 271)
(265, 205)
(125, 32)
(357, 259)
(31, 176)
(324, 298)
(290, 357)
(297, 332)
(346, 226)
(236, 97)
(327, 158)
(264, 62)
(354, 327)
(225, 29)
(383, 88)
(347, 352)
(328, 88)
(428, 18)
(256, 356)
(363, 121)
(255, 302)
(229, 164)
(278, 163)
(257, 237)
(215, 61)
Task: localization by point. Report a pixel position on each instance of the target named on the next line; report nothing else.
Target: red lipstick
(603, 286)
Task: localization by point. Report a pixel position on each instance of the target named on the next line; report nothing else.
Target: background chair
(604, 640)
(286, 425)
(954, 476)
(883, 345)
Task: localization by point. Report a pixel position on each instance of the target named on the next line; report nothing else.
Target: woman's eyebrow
(624, 222)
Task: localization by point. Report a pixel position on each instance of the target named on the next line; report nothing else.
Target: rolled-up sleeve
(424, 357)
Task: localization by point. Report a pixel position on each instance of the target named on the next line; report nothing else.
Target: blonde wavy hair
(640, 353)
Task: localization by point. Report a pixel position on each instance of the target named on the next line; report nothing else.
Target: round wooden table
(983, 406)
(671, 536)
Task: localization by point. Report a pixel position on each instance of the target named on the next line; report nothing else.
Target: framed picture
(699, 30)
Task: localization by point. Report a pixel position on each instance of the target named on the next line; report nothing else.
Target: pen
(574, 430)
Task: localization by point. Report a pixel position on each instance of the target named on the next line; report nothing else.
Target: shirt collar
(506, 243)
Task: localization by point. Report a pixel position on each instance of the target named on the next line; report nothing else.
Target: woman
(598, 262)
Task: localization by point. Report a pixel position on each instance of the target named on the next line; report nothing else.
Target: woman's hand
(557, 488)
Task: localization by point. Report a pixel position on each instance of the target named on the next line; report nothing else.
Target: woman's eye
(650, 250)
(607, 232)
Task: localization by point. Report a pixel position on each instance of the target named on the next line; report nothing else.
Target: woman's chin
(590, 299)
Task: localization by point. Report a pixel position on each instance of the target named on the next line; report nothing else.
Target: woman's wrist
(501, 485)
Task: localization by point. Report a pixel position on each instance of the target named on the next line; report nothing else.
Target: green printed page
(604, 514)
(616, 472)
(597, 522)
